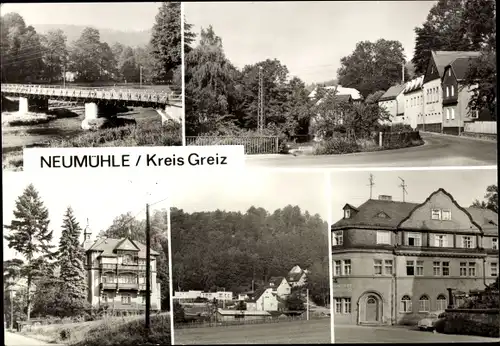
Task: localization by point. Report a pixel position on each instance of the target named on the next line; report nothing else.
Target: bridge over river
(35, 98)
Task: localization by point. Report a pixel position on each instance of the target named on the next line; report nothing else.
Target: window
(436, 268)
(453, 114)
(494, 243)
(127, 259)
(414, 239)
(143, 299)
(420, 268)
(494, 268)
(446, 268)
(126, 299)
(338, 305)
(338, 238)
(446, 213)
(452, 90)
(410, 268)
(347, 267)
(383, 237)
(388, 267)
(466, 242)
(338, 268)
(424, 304)
(449, 72)
(436, 214)
(347, 213)
(347, 305)
(440, 240)
(447, 114)
(441, 303)
(405, 305)
(472, 269)
(463, 269)
(104, 298)
(377, 266)
(447, 91)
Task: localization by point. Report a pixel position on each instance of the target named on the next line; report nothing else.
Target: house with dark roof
(393, 102)
(280, 286)
(432, 89)
(297, 276)
(264, 299)
(116, 274)
(456, 97)
(393, 262)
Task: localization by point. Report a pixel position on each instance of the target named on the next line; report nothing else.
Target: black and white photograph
(250, 260)
(344, 83)
(415, 256)
(76, 261)
(90, 75)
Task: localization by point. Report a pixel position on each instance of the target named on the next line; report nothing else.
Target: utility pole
(403, 186)
(371, 184)
(140, 76)
(307, 303)
(403, 72)
(260, 107)
(148, 272)
(64, 76)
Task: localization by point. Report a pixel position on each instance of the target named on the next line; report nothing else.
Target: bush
(461, 324)
(336, 146)
(396, 128)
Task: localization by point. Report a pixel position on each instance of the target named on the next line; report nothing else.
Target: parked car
(429, 321)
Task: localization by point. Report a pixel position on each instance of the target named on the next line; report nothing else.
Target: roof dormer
(349, 211)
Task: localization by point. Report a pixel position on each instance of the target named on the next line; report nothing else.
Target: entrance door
(372, 309)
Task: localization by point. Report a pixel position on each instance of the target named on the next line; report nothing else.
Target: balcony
(123, 266)
(122, 286)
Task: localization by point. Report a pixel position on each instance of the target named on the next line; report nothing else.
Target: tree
(294, 302)
(481, 78)
(166, 41)
(55, 55)
(210, 86)
(127, 65)
(491, 197)
(374, 97)
(372, 66)
(71, 259)
(455, 25)
(30, 236)
(241, 305)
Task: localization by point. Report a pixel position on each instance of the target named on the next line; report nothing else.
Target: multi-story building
(432, 88)
(414, 103)
(394, 261)
(116, 274)
(456, 97)
(193, 295)
(393, 102)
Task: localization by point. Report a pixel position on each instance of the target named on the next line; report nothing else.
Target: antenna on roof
(371, 184)
(403, 186)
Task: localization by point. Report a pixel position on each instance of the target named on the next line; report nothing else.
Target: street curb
(465, 137)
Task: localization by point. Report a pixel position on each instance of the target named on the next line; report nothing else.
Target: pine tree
(166, 41)
(71, 261)
(31, 238)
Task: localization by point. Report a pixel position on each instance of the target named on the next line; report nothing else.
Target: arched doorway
(370, 308)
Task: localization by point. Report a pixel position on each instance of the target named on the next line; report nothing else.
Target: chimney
(385, 198)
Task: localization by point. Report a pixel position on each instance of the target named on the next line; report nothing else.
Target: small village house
(280, 286)
(297, 276)
(414, 103)
(393, 102)
(264, 299)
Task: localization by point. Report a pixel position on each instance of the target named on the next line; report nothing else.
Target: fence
(486, 127)
(242, 321)
(253, 144)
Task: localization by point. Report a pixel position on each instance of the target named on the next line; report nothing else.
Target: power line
(403, 186)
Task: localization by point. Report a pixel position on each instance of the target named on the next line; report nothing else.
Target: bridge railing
(103, 93)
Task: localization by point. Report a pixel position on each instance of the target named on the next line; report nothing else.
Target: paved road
(297, 332)
(362, 334)
(438, 150)
(13, 339)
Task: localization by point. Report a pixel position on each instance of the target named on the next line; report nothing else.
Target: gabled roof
(294, 277)
(276, 280)
(350, 206)
(460, 67)
(486, 218)
(414, 84)
(392, 92)
(107, 247)
(441, 190)
(366, 212)
(444, 58)
(259, 292)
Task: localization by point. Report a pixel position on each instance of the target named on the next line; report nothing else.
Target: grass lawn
(286, 332)
(112, 331)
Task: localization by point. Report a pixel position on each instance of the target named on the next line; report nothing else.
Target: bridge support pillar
(33, 105)
(91, 111)
(170, 113)
(23, 105)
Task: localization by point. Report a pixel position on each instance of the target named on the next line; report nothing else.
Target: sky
(353, 187)
(268, 189)
(125, 16)
(309, 37)
(99, 199)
